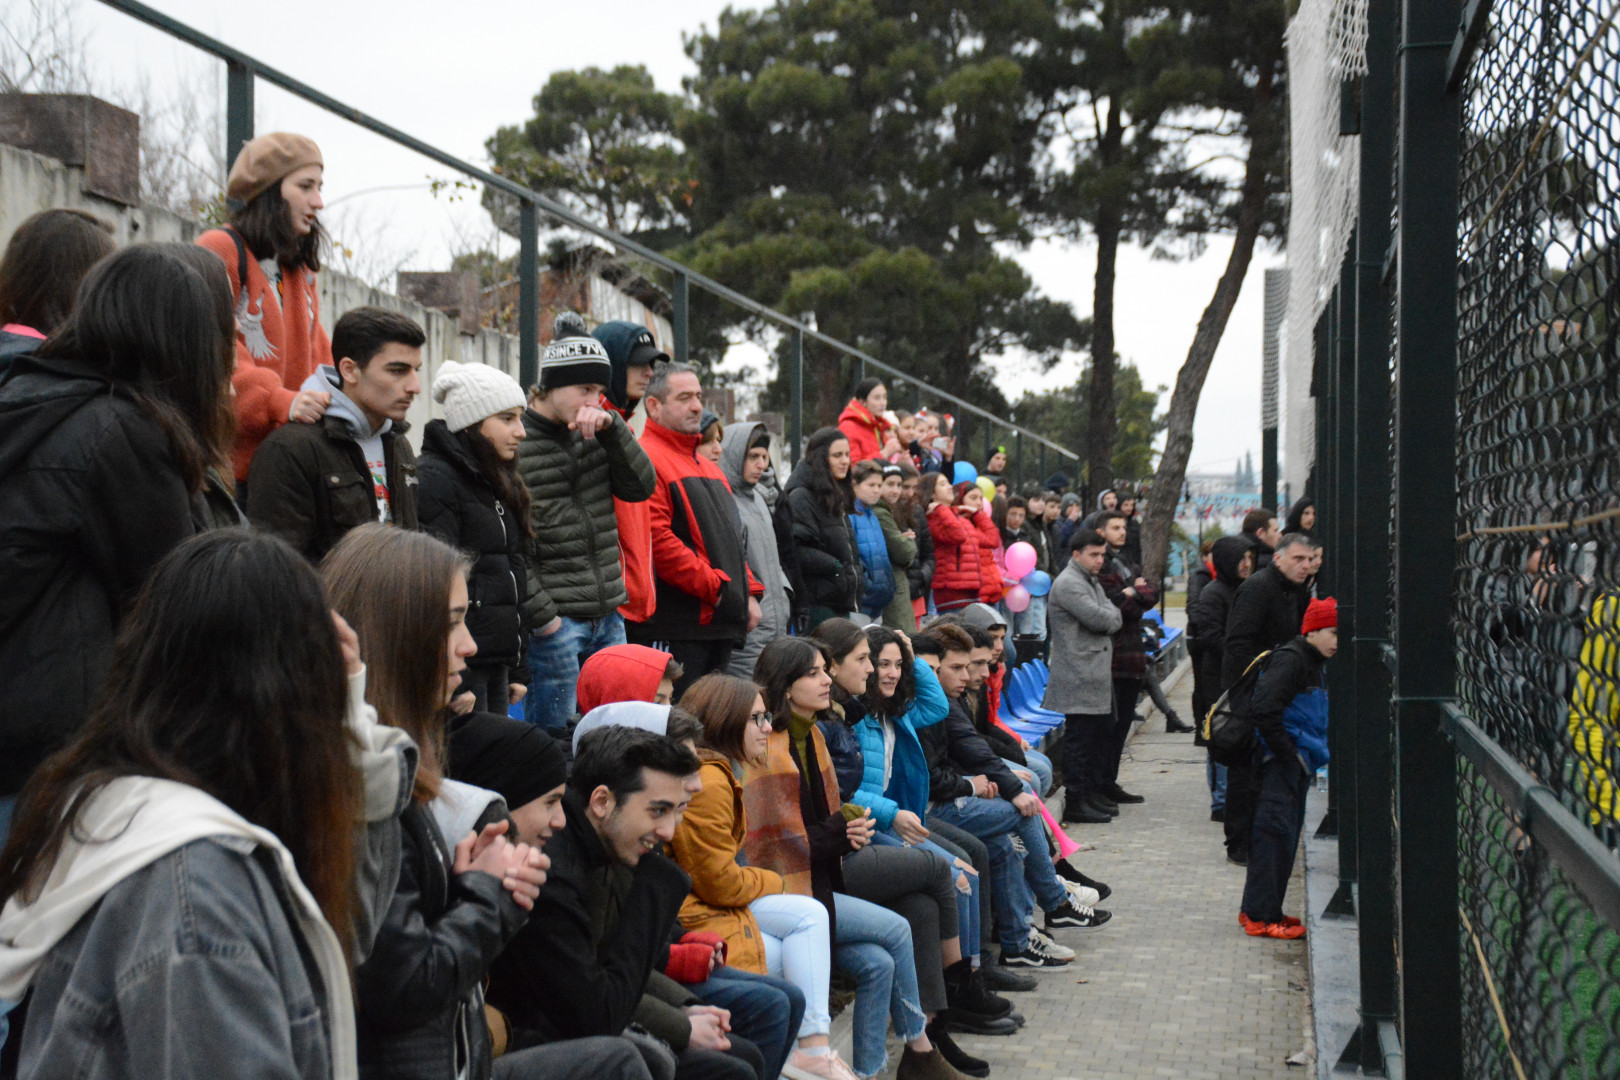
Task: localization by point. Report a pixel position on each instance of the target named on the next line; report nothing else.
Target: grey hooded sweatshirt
(763, 558)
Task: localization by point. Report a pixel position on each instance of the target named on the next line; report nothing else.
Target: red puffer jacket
(865, 431)
(964, 552)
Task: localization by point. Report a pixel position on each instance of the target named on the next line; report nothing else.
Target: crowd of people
(267, 804)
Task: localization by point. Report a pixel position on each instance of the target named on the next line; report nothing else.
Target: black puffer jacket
(419, 994)
(1206, 623)
(921, 572)
(573, 561)
(90, 501)
(828, 564)
(455, 503)
(1266, 613)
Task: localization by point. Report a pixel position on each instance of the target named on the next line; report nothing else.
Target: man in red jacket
(705, 593)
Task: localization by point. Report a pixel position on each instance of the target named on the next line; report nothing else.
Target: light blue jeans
(554, 666)
(1016, 882)
(874, 946)
(1041, 766)
(967, 904)
(1031, 622)
(793, 929)
(1216, 776)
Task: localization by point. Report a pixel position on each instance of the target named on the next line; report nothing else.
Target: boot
(929, 1066)
(1081, 812)
(1005, 979)
(1175, 725)
(968, 1001)
(959, 1059)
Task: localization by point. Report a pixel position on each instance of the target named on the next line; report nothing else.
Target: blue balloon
(965, 473)
(1037, 582)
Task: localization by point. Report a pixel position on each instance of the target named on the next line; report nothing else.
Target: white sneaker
(1042, 945)
(1083, 896)
(828, 1066)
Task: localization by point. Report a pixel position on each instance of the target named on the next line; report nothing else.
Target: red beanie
(1320, 615)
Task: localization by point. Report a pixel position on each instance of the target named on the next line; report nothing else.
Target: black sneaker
(1176, 726)
(1103, 804)
(1068, 873)
(958, 1059)
(1120, 795)
(970, 1024)
(966, 992)
(1028, 958)
(1239, 856)
(1008, 981)
(1218, 815)
(1072, 916)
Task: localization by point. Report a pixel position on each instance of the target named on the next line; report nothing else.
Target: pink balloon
(1020, 560)
(1017, 598)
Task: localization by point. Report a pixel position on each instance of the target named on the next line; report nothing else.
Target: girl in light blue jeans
(874, 946)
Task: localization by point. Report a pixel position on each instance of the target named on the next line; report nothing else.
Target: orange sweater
(279, 343)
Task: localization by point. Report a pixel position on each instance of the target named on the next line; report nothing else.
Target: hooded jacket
(573, 558)
(90, 501)
(1207, 615)
(873, 549)
(1265, 614)
(1130, 654)
(1292, 524)
(908, 782)
(764, 556)
(280, 342)
(456, 504)
(865, 431)
(196, 926)
(964, 552)
(708, 846)
(620, 673)
(309, 483)
(703, 582)
(1083, 622)
(824, 547)
(620, 339)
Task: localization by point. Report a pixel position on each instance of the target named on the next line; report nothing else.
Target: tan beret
(267, 159)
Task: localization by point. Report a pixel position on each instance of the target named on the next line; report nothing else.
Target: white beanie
(471, 393)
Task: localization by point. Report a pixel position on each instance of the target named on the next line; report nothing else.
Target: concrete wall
(30, 183)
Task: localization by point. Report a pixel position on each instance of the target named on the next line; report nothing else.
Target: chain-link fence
(1480, 295)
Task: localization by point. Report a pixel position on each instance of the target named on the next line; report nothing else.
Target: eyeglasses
(762, 719)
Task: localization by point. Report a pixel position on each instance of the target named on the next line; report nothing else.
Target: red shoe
(1280, 931)
(1289, 920)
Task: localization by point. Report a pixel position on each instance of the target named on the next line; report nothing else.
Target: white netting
(1327, 46)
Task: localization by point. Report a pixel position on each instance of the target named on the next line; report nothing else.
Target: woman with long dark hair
(460, 899)
(45, 261)
(107, 432)
(800, 827)
(271, 248)
(182, 872)
(469, 495)
(818, 501)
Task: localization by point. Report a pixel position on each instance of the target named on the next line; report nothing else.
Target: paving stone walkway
(1172, 987)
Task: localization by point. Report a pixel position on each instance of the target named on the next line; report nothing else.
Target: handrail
(529, 197)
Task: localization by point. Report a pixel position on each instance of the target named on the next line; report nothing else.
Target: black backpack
(1228, 728)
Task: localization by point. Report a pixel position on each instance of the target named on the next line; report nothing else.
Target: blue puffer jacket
(874, 552)
(1289, 706)
(1306, 719)
(908, 778)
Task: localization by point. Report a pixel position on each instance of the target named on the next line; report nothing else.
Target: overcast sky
(451, 73)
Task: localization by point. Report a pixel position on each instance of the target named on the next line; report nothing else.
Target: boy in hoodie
(576, 458)
(1233, 560)
(627, 673)
(1289, 712)
(311, 483)
(632, 351)
(745, 456)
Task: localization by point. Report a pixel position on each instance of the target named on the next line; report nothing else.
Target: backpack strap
(241, 255)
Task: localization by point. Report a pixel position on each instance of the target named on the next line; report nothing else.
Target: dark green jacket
(573, 558)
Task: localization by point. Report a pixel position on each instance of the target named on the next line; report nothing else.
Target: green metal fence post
(795, 417)
(680, 321)
(1018, 460)
(528, 294)
(1341, 530)
(1425, 507)
(238, 109)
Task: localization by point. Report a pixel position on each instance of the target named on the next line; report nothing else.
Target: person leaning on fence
(311, 483)
(107, 433)
(471, 496)
(45, 261)
(1288, 709)
(578, 461)
(271, 249)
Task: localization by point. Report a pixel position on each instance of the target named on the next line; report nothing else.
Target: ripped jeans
(874, 945)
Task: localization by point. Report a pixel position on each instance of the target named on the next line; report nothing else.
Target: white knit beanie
(470, 393)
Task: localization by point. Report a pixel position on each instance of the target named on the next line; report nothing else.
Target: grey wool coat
(1082, 622)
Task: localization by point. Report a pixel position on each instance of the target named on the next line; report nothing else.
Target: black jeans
(491, 686)
(1279, 817)
(1242, 789)
(1125, 693)
(1086, 741)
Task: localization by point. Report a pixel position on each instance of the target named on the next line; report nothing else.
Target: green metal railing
(243, 71)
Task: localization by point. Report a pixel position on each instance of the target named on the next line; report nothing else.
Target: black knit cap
(515, 760)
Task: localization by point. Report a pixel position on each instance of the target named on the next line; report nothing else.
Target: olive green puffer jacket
(574, 555)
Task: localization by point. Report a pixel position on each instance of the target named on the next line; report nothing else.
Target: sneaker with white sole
(1082, 895)
(1043, 944)
(1027, 957)
(1072, 916)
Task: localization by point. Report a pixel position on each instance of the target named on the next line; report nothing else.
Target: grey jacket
(1082, 622)
(197, 953)
(763, 557)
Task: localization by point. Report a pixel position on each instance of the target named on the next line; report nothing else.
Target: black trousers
(1279, 817)
(1242, 789)
(1087, 738)
(1125, 694)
